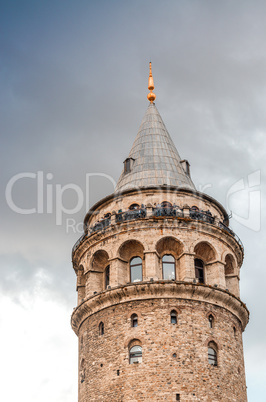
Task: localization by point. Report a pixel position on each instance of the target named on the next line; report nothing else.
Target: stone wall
(175, 356)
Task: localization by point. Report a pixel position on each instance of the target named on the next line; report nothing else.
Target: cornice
(159, 290)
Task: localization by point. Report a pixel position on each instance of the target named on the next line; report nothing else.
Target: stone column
(186, 270)
(151, 266)
(214, 274)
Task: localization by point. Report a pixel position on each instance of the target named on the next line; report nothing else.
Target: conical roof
(153, 159)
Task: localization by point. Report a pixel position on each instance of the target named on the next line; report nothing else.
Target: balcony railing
(120, 217)
(131, 215)
(201, 216)
(228, 230)
(168, 211)
(104, 223)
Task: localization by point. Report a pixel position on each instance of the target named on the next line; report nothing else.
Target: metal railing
(131, 215)
(201, 216)
(168, 211)
(204, 216)
(78, 242)
(104, 223)
(231, 232)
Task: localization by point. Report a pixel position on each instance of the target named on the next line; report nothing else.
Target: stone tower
(159, 316)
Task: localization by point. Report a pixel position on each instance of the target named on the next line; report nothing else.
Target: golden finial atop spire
(151, 96)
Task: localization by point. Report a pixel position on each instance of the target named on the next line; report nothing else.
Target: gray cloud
(73, 93)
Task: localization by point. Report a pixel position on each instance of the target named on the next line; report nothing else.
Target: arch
(169, 245)
(131, 248)
(99, 260)
(98, 263)
(134, 320)
(231, 272)
(134, 206)
(127, 251)
(212, 353)
(230, 264)
(136, 269)
(205, 251)
(166, 204)
(168, 266)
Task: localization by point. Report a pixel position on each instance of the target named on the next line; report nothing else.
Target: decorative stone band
(159, 290)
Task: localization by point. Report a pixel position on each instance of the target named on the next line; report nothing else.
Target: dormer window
(186, 166)
(128, 164)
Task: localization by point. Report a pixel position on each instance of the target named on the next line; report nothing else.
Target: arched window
(211, 320)
(212, 354)
(107, 276)
(101, 328)
(134, 320)
(199, 270)
(173, 317)
(166, 204)
(135, 269)
(134, 206)
(194, 208)
(135, 354)
(168, 267)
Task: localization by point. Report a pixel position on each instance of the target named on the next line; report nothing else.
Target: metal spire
(151, 96)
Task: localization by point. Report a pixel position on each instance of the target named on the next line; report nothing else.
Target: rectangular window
(177, 397)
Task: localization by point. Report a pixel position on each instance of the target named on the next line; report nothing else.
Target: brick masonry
(175, 356)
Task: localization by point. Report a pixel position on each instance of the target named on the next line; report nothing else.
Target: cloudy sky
(74, 80)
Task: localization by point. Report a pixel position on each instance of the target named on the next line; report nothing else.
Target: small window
(168, 267)
(212, 354)
(173, 317)
(211, 320)
(133, 206)
(136, 269)
(135, 354)
(134, 320)
(82, 371)
(166, 204)
(128, 163)
(107, 276)
(199, 270)
(101, 328)
(194, 208)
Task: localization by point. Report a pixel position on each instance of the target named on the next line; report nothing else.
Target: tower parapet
(159, 315)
